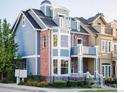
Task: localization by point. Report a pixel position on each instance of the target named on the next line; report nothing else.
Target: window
(102, 45)
(115, 49)
(106, 70)
(44, 41)
(23, 21)
(55, 40)
(74, 67)
(64, 66)
(109, 47)
(64, 41)
(55, 66)
(105, 46)
(99, 23)
(79, 41)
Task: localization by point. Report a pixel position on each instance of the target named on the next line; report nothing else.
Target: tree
(8, 50)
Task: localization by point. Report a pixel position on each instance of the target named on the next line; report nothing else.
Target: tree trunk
(1, 76)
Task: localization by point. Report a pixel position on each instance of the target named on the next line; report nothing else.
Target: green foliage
(109, 81)
(72, 83)
(8, 50)
(59, 83)
(35, 83)
(35, 78)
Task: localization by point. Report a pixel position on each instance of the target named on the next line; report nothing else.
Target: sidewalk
(37, 89)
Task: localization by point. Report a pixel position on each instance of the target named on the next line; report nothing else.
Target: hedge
(59, 83)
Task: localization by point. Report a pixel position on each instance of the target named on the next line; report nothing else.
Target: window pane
(55, 40)
(55, 66)
(64, 66)
(64, 41)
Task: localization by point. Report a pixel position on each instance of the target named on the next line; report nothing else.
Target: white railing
(99, 76)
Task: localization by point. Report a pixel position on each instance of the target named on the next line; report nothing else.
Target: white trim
(29, 21)
(16, 21)
(39, 18)
(79, 33)
(36, 52)
(31, 56)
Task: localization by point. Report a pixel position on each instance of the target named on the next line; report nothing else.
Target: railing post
(80, 59)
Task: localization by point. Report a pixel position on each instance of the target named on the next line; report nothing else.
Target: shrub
(59, 83)
(34, 78)
(72, 83)
(4, 81)
(42, 84)
(109, 81)
(21, 83)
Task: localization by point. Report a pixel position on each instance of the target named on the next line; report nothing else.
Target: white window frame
(57, 40)
(66, 68)
(61, 41)
(105, 70)
(53, 67)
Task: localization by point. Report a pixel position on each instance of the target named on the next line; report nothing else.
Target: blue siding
(92, 51)
(31, 66)
(64, 52)
(74, 50)
(38, 66)
(38, 42)
(25, 38)
(55, 52)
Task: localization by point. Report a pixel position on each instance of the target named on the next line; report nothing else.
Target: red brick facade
(75, 36)
(44, 54)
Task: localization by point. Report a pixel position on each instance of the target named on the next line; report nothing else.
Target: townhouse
(56, 46)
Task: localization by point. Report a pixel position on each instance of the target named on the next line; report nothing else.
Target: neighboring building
(57, 46)
(105, 39)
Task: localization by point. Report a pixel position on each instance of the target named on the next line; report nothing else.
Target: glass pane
(64, 66)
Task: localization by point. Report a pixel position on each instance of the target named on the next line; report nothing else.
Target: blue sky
(9, 9)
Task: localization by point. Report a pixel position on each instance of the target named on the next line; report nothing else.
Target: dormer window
(23, 21)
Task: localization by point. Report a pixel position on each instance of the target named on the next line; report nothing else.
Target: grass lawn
(99, 90)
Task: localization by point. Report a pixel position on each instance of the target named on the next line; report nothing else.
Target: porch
(81, 66)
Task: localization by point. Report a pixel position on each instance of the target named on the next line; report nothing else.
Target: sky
(10, 9)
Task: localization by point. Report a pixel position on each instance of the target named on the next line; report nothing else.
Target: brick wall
(44, 55)
(74, 37)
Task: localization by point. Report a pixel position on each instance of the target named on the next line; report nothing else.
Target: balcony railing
(83, 50)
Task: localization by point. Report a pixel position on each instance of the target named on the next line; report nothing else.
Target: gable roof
(85, 22)
(46, 19)
(92, 19)
(32, 21)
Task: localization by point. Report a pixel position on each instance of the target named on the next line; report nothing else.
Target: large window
(44, 41)
(55, 40)
(55, 66)
(64, 66)
(106, 46)
(106, 70)
(64, 41)
(74, 67)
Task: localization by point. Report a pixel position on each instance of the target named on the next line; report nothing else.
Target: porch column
(96, 62)
(80, 65)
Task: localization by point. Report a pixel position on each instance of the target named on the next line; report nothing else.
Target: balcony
(83, 50)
